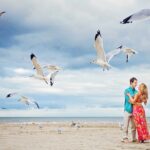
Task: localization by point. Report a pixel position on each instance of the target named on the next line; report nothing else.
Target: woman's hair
(144, 92)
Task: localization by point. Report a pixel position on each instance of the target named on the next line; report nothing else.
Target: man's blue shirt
(127, 105)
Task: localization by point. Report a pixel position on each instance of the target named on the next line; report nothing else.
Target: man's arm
(133, 99)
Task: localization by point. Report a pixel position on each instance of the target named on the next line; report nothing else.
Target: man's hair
(133, 79)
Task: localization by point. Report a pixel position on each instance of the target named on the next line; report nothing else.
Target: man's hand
(128, 94)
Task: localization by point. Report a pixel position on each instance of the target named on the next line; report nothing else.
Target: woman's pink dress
(140, 122)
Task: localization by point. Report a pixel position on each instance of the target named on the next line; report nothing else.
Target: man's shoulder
(127, 89)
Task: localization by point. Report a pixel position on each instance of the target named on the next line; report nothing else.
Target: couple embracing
(134, 112)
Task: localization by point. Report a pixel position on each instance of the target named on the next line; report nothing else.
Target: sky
(61, 32)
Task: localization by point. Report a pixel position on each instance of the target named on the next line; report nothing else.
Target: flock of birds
(48, 73)
(103, 58)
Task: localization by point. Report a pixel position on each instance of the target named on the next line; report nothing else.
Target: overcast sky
(61, 32)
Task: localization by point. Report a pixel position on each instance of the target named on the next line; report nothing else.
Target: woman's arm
(133, 99)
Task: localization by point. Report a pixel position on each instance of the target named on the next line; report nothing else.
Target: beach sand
(45, 136)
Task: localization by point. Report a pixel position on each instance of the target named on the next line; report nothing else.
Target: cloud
(84, 112)
(69, 112)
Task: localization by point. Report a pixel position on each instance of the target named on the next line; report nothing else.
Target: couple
(135, 113)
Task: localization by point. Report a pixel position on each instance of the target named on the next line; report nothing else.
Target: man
(128, 108)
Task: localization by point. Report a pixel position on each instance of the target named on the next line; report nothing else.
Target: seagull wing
(112, 54)
(99, 46)
(37, 105)
(23, 97)
(143, 14)
(33, 102)
(36, 65)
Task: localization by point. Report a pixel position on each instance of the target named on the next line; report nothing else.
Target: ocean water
(63, 119)
(60, 119)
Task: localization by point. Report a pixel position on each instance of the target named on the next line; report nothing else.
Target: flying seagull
(39, 72)
(27, 101)
(23, 99)
(52, 77)
(128, 52)
(1, 13)
(102, 58)
(141, 15)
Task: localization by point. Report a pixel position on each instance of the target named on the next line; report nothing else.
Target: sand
(45, 136)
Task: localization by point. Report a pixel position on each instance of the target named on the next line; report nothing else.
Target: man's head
(133, 82)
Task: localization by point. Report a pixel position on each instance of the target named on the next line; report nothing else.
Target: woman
(139, 112)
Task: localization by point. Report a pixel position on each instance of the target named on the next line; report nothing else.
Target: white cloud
(68, 112)
(82, 112)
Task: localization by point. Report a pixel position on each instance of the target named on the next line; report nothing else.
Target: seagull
(52, 77)
(73, 124)
(40, 126)
(1, 13)
(102, 58)
(23, 99)
(59, 130)
(141, 15)
(78, 125)
(128, 52)
(27, 101)
(10, 95)
(39, 72)
(52, 67)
